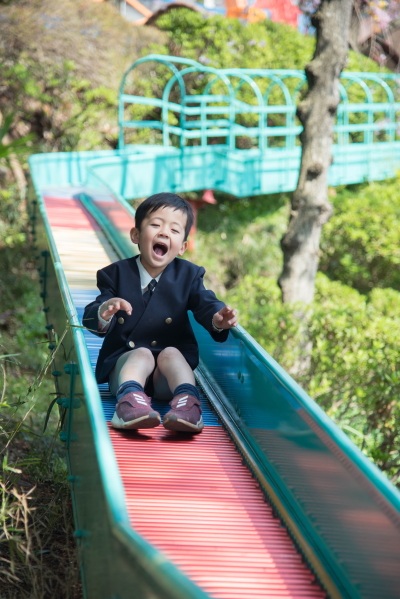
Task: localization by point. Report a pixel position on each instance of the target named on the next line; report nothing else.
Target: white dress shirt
(145, 279)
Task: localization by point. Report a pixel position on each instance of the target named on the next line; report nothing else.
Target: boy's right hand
(112, 306)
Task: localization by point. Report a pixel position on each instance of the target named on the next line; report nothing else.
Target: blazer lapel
(135, 291)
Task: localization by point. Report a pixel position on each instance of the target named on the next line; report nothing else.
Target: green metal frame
(262, 83)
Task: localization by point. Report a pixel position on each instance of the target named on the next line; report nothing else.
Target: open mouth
(160, 249)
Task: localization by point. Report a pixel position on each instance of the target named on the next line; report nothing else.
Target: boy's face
(160, 238)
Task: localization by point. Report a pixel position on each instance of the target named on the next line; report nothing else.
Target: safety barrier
(248, 117)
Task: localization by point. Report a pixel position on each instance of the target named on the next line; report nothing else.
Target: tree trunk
(310, 206)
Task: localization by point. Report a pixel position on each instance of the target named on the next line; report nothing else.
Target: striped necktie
(150, 288)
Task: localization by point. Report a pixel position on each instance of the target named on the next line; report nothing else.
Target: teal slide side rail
(126, 552)
(333, 495)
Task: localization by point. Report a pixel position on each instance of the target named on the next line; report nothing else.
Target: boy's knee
(144, 354)
(169, 353)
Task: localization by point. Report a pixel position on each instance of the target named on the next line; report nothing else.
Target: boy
(142, 311)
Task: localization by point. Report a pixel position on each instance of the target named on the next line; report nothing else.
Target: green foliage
(241, 236)
(361, 242)
(224, 43)
(355, 374)
(386, 301)
(63, 111)
(17, 146)
(262, 313)
(22, 321)
(62, 63)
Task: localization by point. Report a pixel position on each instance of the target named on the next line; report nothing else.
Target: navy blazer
(163, 322)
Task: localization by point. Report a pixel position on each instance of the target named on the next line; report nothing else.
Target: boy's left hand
(225, 318)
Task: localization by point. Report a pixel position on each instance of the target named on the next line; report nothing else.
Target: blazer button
(168, 320)
(121, 320)
(153, 343)
(131, 344)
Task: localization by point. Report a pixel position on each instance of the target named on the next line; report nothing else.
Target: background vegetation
(61, 67)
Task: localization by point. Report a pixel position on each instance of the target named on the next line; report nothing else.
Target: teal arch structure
(230, 107)
(340, 510)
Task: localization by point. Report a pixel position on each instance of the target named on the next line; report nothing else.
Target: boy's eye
(175, 231)
(155, 225)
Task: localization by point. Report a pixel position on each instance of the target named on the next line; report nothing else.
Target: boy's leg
(127, 380)
(172, 370)
(136, 365)
(173, 376)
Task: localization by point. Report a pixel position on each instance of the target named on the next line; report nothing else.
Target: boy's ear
(134, 233)
(183, 248)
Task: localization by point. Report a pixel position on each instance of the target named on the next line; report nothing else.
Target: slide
(272, 500)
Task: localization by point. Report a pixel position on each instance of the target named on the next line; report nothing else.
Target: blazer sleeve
(107, 291)
(204, 304)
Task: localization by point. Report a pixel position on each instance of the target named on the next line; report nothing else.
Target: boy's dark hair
(161, 200)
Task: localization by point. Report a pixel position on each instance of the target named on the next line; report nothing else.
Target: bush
(226, 43)
(239, 237)
(360, 245)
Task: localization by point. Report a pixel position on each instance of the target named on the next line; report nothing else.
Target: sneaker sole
(150, 421)
(183, 426)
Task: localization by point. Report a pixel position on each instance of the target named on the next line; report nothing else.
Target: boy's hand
(225, 318)
(112, 306)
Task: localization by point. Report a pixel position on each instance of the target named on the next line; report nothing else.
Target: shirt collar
(145, 278)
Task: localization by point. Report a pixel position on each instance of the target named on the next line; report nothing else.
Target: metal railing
(251, 108)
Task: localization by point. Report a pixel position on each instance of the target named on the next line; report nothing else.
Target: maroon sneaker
(134, 411)
(185, 415)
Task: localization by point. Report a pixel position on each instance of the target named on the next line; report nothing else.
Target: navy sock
(128, 387)
(187, 388)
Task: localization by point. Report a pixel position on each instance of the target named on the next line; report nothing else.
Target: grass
(38, 557)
